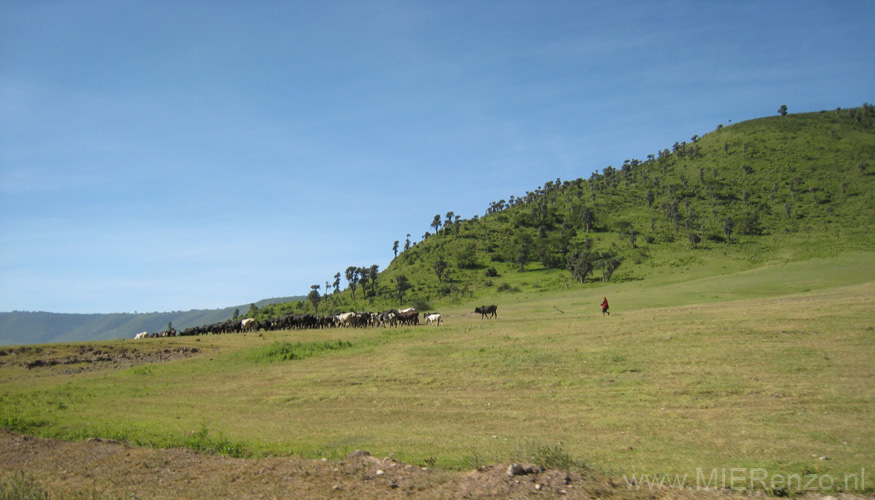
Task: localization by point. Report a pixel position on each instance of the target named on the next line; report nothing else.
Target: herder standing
(605, 307)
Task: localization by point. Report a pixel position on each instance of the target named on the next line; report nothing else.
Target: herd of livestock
(389, 318)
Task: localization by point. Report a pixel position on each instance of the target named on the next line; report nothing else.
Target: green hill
(781, 188)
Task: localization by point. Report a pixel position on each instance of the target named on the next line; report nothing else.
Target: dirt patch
(105, 469)
(77, 359)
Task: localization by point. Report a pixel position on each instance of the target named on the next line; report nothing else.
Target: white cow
(433, 319)
(247, 324)
(141, 335)
(346, 319)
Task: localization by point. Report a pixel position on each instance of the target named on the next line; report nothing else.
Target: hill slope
(779, 189)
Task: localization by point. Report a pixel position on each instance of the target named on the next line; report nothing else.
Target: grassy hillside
(771, 190)
(769, 369)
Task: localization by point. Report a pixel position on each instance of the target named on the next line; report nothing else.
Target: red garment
(605, 303)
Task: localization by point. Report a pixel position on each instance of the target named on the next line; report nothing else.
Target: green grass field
(770, 368)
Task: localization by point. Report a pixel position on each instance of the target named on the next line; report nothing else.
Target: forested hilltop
(769, 190)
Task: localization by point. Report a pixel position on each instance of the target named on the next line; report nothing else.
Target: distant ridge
(17, 327)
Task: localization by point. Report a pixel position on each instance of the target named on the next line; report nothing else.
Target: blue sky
(159, 155)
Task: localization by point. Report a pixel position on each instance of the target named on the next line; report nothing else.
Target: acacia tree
(374, 272)
(401, 287)
(364, 277)
(352, 277)
(728, 226)
(314, 297)
(586, 217)
(436, 223)
(522, 256)
(440, 267)
(580, 264)
(609, 263)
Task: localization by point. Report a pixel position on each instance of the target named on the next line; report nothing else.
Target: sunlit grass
(737, 378)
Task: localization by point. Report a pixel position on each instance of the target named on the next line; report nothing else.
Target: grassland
(770, 367)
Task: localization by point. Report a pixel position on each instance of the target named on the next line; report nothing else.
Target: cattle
(487, 311)
(391, 317)
(408, 317)
(141, 335)
(346, 319)
(388, 318)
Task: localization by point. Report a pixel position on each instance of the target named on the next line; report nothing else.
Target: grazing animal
(433, 319)
(248, 324)
(487, 311)
(408, 318)
(346, 319)
(141, 335)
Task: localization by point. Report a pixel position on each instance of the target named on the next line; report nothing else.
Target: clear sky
(165, 155)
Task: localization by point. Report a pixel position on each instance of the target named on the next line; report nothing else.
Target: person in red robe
(605, 307)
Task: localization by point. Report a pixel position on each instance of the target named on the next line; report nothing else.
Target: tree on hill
(364, 277)
(522, 256)
(401, 287)
(374, 271)
(728, 226)
(783, 110)
(395, 248)
(609, 263)
(436, 223)
(352, 277)
(440, 268)
(580, 264)
(314, 297)
(448, 224)
(587, 218)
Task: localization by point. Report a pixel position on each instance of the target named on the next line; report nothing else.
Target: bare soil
(104, 469)
(70, 359)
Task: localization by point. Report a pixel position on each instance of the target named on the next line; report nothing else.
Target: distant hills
(18, 327)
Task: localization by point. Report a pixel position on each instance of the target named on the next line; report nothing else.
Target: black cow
(487, 311)
(408, 317)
